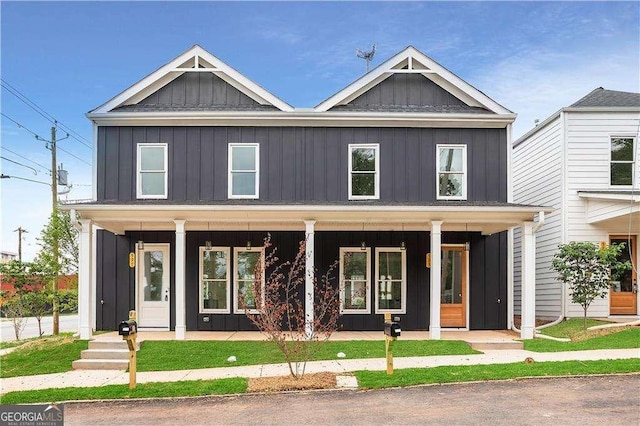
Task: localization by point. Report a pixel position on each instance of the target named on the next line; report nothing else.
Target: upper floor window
(622, 160)
(451, 166)
(152, 170)
(364, 172)
(214, 279)
(355, 281)
(246, 261)
(244, 175)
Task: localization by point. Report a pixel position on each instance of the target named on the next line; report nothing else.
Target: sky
(70, 57)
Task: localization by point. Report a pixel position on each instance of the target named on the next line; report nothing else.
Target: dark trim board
(115, 286)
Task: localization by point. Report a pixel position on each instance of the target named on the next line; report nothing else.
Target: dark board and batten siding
(487, 272)
(300, 164)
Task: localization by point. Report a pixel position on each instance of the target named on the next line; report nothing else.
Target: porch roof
(243, 215)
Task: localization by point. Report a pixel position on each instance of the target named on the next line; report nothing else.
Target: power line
(44, 168)
(21, 178)
(35, 172)
(74, 156)
(31, 104)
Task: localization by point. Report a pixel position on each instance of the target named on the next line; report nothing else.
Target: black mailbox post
(127, 328)
(392, 329)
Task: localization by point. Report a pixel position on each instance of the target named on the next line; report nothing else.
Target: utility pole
(20, 231)
(54, 221)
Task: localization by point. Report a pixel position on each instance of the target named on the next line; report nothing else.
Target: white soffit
(195, 59)
(417, 63)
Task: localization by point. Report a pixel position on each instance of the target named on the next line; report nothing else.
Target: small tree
(587, 269)
(281, 309)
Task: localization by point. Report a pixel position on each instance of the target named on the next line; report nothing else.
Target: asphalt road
(605, 400)
(68, 323)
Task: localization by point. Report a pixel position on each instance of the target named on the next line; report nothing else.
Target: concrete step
(480, 346)
(105, 354)
(100, 364)
(110, 344)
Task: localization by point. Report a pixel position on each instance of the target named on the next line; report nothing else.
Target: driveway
(68, 323)
(566, 401)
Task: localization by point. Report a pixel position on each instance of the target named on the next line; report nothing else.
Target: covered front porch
(434, 224)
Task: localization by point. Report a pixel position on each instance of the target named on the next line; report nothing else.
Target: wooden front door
(624, 289)
(453, 287)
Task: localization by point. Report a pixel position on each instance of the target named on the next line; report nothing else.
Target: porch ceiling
(485, 219)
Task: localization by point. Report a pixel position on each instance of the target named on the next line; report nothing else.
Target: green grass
(451, 374)
(143, 390)
(183, 355)
(44, 356)
(571, 328)
(625, 339)
(13, 344)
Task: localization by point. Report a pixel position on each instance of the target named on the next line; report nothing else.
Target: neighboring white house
(584, 162)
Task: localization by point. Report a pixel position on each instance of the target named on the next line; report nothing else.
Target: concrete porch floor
(476, 336)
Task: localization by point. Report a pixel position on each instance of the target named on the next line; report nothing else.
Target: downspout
(534, 231)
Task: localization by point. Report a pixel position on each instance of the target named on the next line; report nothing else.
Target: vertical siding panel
(192, 88)
(206, 162)
(411, 160)
(219, 91)
(220, 170)
(192, 164)
(205, 89)
(316, 158)
(126, 165)
(111, 159)
(178, 90)
(399, 179)
(387, 92)
(179, 163)
(232, 96)
(100, 164)
(414, 82)
(493, 181)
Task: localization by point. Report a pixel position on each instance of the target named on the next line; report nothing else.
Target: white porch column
(84, 279)
(181, 314)
(309, 277)
(436, 242)
(528, 303)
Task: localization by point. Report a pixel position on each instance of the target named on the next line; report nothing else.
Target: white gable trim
(175, 68)
(418, 63)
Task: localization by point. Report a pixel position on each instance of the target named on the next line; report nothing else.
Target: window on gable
(391, 281)
(451, 165)
(622, 160)
(244, 161)
(245, 276)
(364, 172)
(214, 280)
(355, 281)
(152, 170)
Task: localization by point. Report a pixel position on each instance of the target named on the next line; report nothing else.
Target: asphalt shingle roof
(608, 98)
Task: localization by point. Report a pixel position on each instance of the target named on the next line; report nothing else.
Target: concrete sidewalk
(96, 378)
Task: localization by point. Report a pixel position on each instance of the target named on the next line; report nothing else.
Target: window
(355, 265)
(391, 284)
(152, 170)
(244, 173)
(364, 172)
(214, 280)
(245, 266)
(622, 161)
(451, 163)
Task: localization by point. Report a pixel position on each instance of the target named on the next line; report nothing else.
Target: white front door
(152, 275)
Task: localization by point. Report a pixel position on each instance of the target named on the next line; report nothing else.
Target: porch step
(111, 344)
(100, 364)
(105, 354)
(488, 345)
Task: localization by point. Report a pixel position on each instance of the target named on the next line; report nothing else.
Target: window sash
(242, 282)
(354, 172)
(355, 292)
(619, 168)
(461, 174)
(226, 281)
(142, 191)
(388, 286)
(237, 173)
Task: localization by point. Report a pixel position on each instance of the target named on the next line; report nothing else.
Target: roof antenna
(366, 55)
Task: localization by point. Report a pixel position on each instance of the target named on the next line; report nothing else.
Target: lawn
(42, 356)
(451, 374)
(610, 338)
(144, 390)
(184, 355)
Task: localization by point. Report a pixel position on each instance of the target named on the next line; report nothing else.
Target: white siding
(537, 180)
(588, 145)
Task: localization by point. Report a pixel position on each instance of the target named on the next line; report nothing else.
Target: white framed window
(451, 169)
(244, 170)
(622, 160)
(355, 280)
(364, 171)
(245, 261)
(391, 280)
(215, 282)
(152, 170)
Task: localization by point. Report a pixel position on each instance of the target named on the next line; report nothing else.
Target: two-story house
(583, 161)
(195, 164)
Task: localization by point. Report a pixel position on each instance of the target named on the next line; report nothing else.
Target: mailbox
(127, 328)
(392, 329)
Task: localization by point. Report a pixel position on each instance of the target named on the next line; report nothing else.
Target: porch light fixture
(363, 245)
(467, 246)
(248, 236)
(248, 245)
(403, 245)
(466, 237)
(140, 245)
(207, 245)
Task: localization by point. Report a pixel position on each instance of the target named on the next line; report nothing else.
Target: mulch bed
(288, 383)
